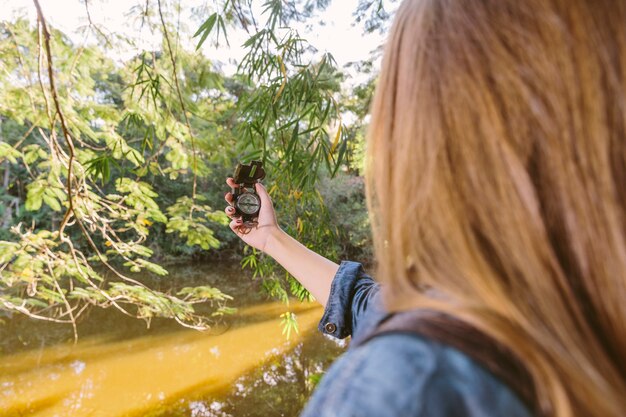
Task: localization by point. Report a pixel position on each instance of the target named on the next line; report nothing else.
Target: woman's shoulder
(406, 375)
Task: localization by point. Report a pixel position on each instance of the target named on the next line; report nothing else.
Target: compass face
(248, 203)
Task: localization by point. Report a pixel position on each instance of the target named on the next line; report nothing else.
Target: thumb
(263, 195)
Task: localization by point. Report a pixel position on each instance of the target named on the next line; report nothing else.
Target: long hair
(496, 183)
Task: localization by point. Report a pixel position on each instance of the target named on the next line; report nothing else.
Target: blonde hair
(496, 180)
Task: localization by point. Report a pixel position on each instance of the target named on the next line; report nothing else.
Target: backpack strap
(455, 333)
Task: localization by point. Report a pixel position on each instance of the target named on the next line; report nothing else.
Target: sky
(338, 36)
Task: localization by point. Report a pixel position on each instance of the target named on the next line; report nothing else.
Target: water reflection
(130, 377)
(176, 373)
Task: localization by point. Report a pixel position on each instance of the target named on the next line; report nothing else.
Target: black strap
(453, 332)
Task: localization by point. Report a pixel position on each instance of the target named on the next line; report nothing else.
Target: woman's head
(497, 180)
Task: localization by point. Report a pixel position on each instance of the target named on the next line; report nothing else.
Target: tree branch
(57, 105)
(182, 102)
(94, 26)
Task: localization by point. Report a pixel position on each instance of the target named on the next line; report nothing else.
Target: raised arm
(311, 269)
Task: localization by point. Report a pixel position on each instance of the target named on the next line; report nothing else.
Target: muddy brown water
(244, 367)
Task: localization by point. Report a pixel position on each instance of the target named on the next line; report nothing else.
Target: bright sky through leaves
(331, 31)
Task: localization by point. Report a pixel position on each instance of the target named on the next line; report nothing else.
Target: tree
(92, 153)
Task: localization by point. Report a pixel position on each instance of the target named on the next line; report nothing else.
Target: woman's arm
(311, 269)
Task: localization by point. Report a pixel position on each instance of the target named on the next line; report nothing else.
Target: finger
(228, 197)
(265, 197)
(231, 183)
(240, 228)
(236, 225)
(230, 211)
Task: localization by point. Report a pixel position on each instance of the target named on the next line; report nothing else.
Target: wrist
(274, 241)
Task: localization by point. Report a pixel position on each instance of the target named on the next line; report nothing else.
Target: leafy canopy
(97, 158)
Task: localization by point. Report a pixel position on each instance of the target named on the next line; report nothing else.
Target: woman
(497, 196)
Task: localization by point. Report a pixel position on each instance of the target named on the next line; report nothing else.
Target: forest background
(110, 171)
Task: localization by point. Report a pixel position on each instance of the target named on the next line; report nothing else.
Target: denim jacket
(398, 374)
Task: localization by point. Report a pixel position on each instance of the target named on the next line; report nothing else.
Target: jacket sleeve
(353, 304)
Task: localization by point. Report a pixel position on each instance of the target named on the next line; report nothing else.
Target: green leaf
(7, 251)
(8, 152)
(205, 29)
(34, 195)
(223, 310)
(289, 323)
(205, 292)
(152, 267)
(32, 153)
(52, 202)
(221, 24)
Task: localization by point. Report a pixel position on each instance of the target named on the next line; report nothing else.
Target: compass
(246, 201)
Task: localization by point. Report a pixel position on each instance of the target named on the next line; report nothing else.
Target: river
(243, 367)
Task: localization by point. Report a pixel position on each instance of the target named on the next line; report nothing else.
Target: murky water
(243, 367)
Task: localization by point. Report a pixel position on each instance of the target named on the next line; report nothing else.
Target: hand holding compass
(246, 201)
(257, 231)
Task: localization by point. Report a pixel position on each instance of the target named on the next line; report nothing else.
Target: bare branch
(94, 26)
(69, 310)
(57, 105)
